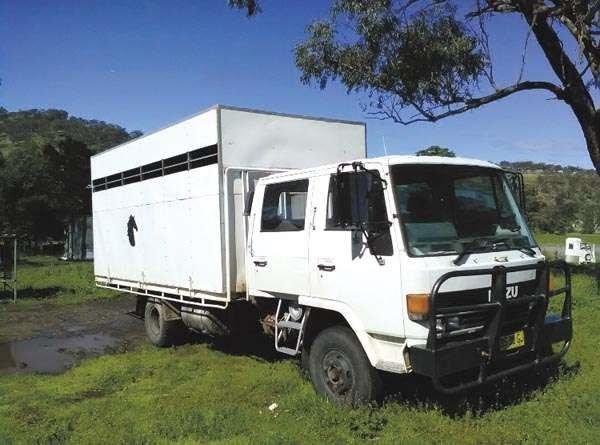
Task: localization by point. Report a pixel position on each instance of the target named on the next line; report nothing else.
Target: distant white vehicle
(402, 264)
(578, 252)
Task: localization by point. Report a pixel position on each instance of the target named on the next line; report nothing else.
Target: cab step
(285, 325)
(290, 325)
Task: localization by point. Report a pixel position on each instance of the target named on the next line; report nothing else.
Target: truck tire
(161, 332)
(340, 370)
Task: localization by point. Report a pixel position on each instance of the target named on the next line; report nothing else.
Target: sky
(145, 64)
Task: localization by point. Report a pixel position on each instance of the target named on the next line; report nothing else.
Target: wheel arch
(324, 314)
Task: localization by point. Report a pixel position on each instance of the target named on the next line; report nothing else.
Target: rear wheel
(340, 369)
(160, 331)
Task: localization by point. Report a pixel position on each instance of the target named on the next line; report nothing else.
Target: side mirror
(359, 204)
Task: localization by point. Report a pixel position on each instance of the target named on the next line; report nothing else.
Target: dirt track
(108, 317)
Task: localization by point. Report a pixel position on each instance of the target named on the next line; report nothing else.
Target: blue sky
(145, 64)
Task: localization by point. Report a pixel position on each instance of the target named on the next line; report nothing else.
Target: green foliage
(530, 167)
(26, 202)
(400, 60)
(69, 162)
(251, 6)
(35, 128)
(563, 202)
(45, 169)
(41, 188)
(436, 150)
(201, 393)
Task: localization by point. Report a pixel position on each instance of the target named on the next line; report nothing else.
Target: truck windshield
(447, 209)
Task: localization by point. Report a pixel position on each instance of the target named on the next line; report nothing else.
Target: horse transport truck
(236, 218)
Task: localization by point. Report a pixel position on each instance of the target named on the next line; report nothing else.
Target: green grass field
(209, 393)
(47, 280)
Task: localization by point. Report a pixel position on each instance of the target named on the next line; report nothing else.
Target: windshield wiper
(488, 245)
(528, 250)
(477, 246)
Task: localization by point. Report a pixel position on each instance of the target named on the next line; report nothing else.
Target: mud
(51, 339)
(51, 355)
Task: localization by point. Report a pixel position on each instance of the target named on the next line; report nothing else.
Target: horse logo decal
(131, 226)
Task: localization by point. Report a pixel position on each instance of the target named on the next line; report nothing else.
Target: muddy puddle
(52, 355)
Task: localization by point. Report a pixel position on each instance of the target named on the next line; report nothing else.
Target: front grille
(517, 317)
(469, 323)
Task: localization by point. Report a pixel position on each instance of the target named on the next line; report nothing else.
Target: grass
(551, 239)
(50, 281)
(207, 393)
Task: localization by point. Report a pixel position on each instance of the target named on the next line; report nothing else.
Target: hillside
(539, 167)
(35, 127)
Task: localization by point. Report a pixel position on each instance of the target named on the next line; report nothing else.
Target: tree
(68, 162)
(563, 201)
(422, 61)
(38, 127)
(436, 150)
(45, 169)
(27, 199)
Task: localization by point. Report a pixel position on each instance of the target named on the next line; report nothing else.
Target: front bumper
(480, 359)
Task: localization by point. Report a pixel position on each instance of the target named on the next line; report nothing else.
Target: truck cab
(403, 264)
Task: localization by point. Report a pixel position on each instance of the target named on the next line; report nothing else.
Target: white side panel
(196, 132)
(177, 241)
(264, 140)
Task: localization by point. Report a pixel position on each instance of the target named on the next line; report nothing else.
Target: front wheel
(340, 370)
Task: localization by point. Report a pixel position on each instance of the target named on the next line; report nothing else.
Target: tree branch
(576, 94)
(579, 23)
(393, 111)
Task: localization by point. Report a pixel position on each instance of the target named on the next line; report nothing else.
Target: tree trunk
(592, 138)
(576, 94)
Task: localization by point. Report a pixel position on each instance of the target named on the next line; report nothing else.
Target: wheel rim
(338, 373)
(154, 320)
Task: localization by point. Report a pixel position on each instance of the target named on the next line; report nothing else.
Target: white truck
(402, 264)
(578, 252)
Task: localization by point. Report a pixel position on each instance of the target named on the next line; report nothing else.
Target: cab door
(343, 268)
(279, 242)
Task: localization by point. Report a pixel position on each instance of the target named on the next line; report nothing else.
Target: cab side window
(284, 206)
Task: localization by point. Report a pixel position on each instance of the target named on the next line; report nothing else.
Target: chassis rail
(439, 359)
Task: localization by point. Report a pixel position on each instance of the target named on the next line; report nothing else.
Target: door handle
(260, 263)
(326, 267)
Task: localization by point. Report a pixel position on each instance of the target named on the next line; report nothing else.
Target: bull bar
(438, 359)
